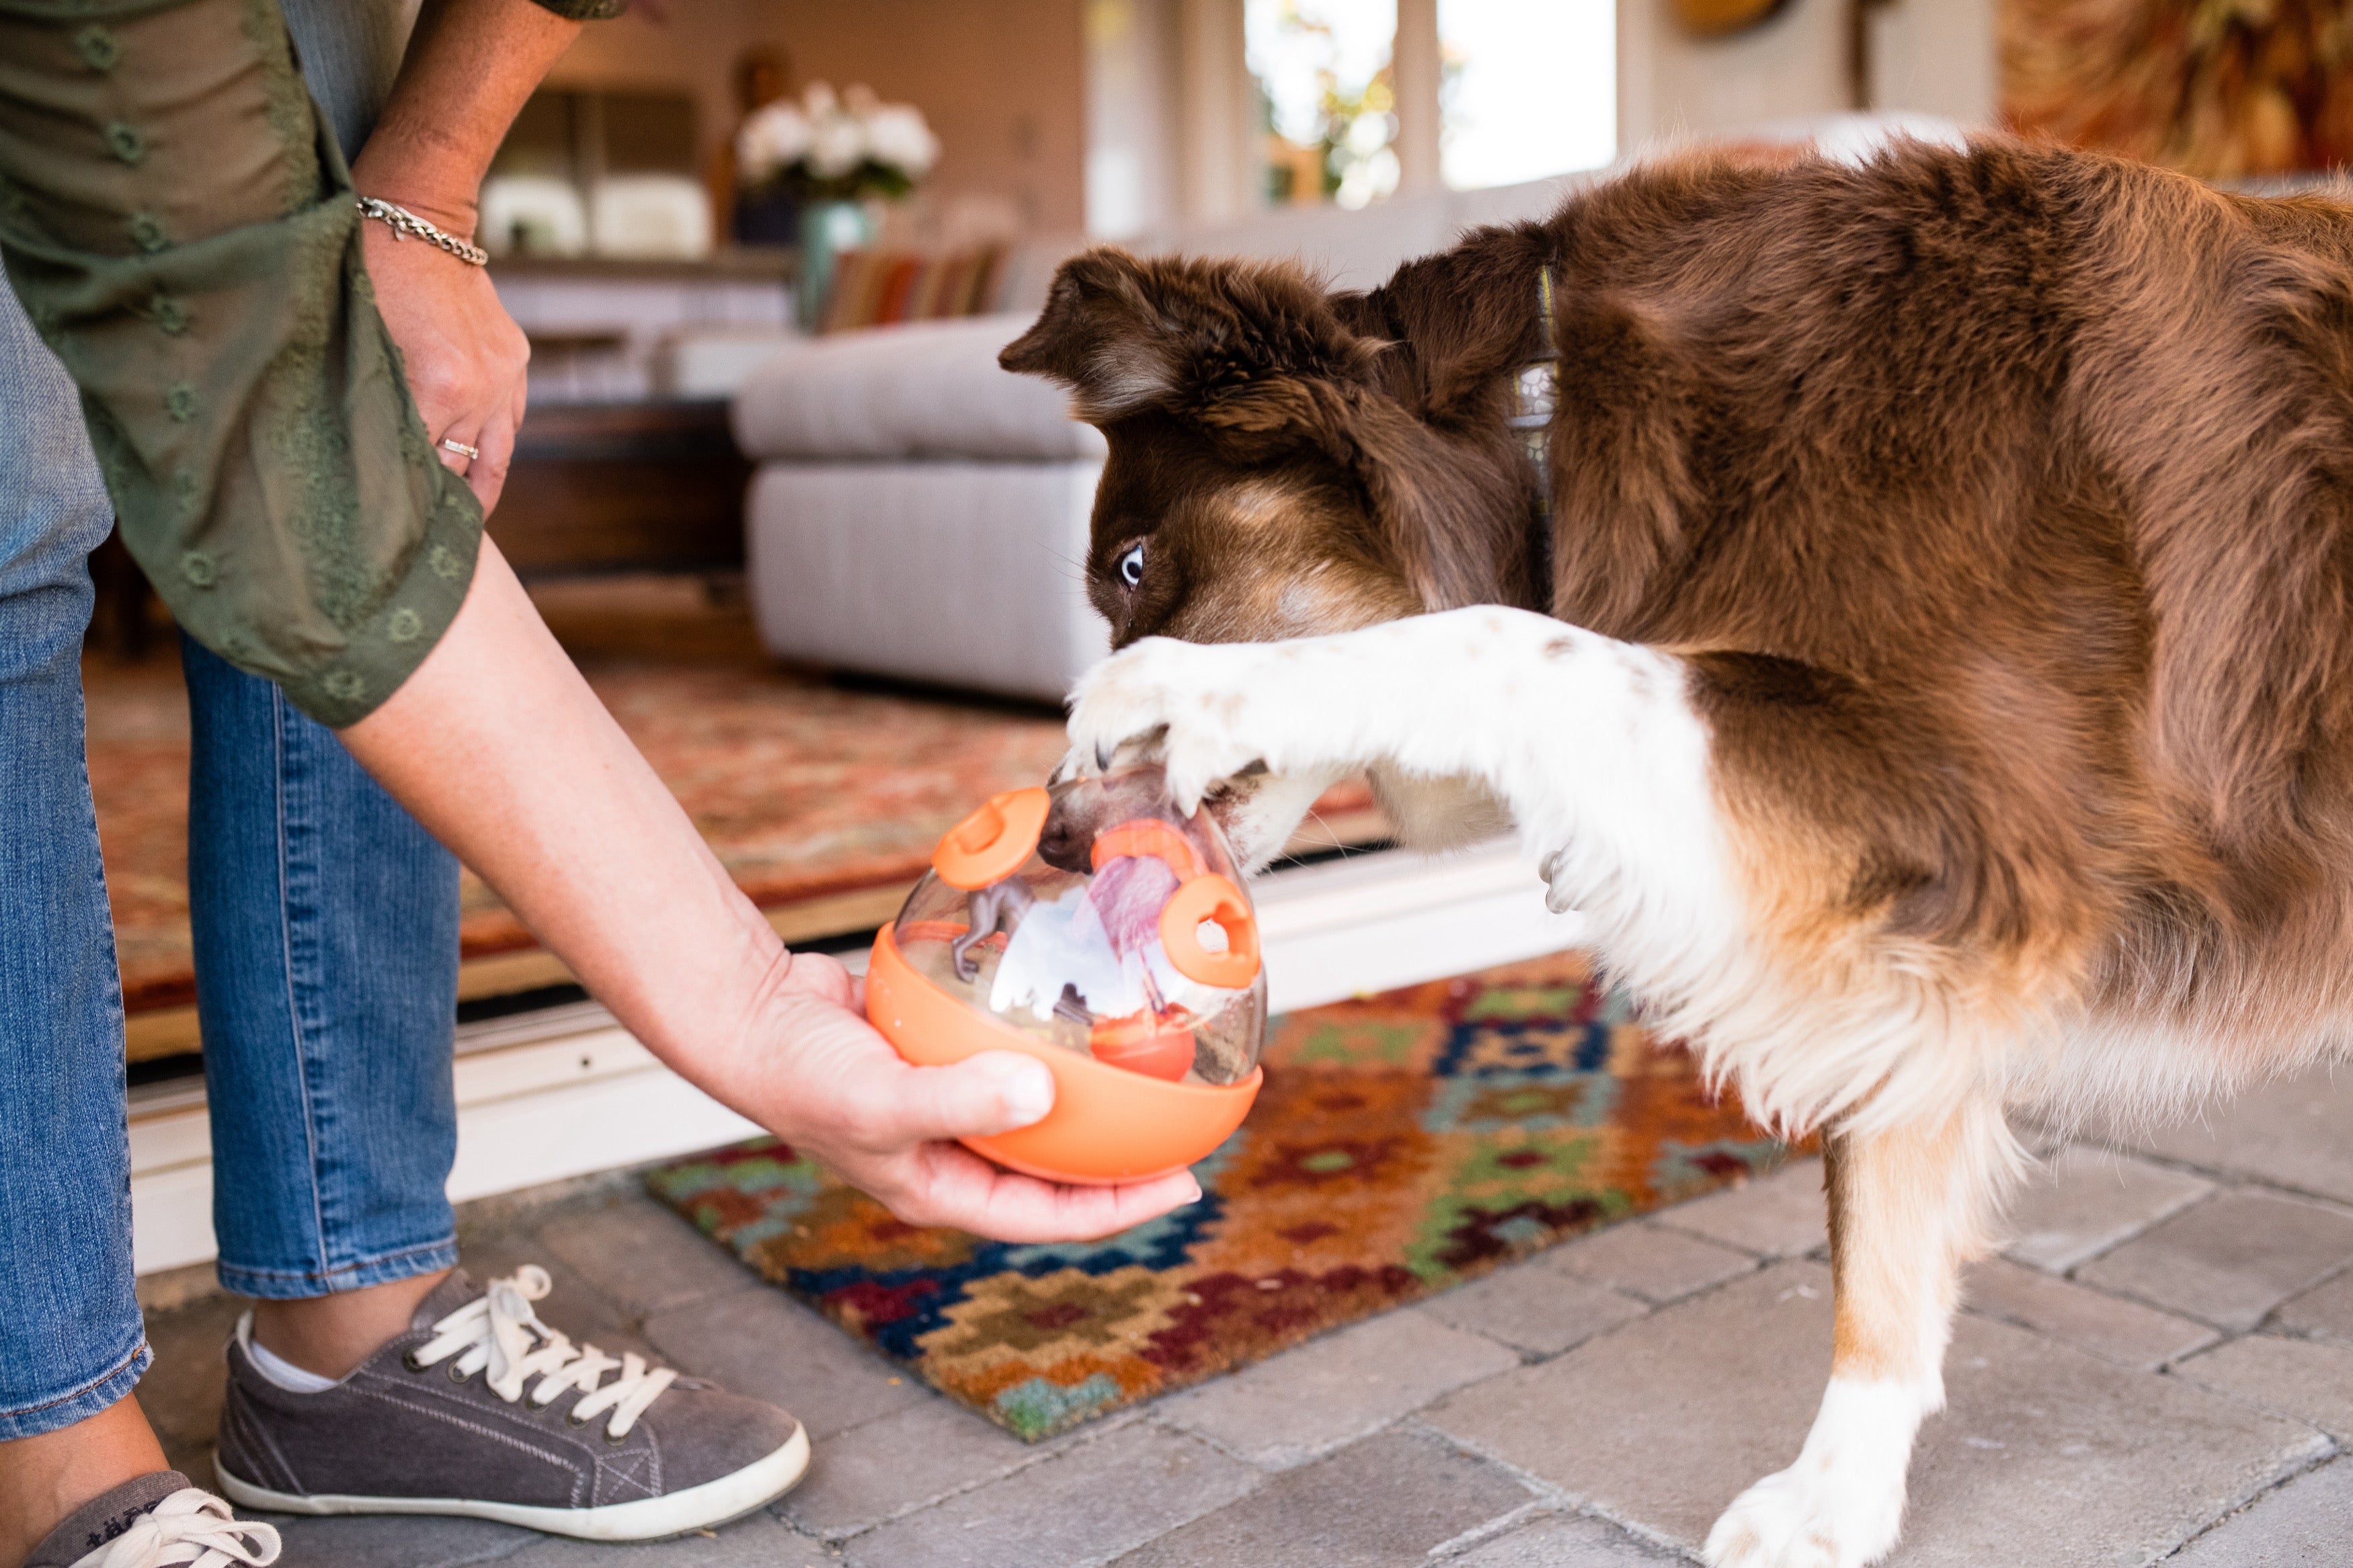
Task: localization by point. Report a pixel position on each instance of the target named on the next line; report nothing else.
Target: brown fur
(1996, 503)
(1999, 497)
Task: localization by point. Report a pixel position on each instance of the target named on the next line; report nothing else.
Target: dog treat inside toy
(1098, 928)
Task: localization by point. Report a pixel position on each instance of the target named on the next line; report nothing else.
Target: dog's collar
(1535, 393)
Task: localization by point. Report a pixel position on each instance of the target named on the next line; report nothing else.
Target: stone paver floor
(2160, 1368)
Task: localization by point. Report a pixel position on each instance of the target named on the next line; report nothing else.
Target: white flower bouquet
(829, 147)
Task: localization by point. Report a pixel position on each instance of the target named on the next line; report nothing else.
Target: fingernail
(1030, 1094)
(1197, 1190)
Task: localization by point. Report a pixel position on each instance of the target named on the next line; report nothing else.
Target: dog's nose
(1068, 842)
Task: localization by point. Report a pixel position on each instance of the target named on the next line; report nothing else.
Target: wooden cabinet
(624, 487)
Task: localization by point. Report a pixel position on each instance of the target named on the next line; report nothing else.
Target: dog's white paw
(1196, 707)
(1841, 1504)
(1807, 1516)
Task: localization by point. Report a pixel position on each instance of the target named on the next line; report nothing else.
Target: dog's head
(1271, 473)
(1276, 469)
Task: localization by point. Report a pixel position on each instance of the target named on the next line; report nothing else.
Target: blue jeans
(326, 930)
(326, 947)
(70, 1338)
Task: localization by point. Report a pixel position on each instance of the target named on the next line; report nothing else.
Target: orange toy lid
(1149, 835)
(990, 845)
(1210, 899)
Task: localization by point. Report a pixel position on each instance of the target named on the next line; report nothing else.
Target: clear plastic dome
(1098, 918)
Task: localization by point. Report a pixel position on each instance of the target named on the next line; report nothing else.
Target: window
(1529, 88)
(1323, 69)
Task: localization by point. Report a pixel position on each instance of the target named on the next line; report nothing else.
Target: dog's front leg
(1591, 745)
(1907, 1207)
(1440, 696)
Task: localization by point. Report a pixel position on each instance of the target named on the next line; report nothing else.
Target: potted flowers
(836, 156)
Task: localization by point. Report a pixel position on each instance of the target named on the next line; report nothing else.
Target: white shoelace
(190, 1529)
(500, 1331)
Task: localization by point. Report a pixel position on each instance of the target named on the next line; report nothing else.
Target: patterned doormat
(1403, 1144)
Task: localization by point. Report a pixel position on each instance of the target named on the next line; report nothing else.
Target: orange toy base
(1108, 1124)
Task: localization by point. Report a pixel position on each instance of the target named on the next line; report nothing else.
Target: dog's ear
(1126, 333)
(1449, 523)
(1098, 335)
(1437, 513)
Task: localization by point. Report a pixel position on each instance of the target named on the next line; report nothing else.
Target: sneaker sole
(716, 1502)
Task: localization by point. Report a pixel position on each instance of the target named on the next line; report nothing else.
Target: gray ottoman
(919, 513)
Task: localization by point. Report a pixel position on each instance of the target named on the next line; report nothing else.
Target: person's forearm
(497, 745)
(469, 67)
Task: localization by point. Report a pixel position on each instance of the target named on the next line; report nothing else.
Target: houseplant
(839, 157)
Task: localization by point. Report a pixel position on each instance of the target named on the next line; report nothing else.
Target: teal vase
(829, 228)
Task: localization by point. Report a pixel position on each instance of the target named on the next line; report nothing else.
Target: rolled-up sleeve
(182, 232)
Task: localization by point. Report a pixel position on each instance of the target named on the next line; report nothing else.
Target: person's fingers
(448, 401)
(461, 429)
(890, 1129)
(487, 475)
(995, 1092)
(1082, 1214)
(951, 1187)
(822, 976)
(1132, 1203)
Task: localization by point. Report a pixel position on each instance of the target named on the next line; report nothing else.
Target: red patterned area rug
(801, 786)
(1404, 1143)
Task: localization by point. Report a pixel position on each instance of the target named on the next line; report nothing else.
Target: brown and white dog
(1928, 662)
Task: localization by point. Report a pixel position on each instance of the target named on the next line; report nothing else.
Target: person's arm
(182, 238)
(470, 66)
(499, 747)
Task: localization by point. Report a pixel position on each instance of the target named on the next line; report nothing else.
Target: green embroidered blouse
(182, 230)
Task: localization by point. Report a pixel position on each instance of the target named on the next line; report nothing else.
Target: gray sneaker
(480, 1409)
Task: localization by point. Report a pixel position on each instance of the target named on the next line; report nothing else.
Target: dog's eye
(1131, 565)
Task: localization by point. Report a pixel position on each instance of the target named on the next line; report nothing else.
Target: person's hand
(464, 354)
(820, 1076)
(469, 68)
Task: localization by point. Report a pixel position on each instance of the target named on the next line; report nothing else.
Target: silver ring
(451, 444)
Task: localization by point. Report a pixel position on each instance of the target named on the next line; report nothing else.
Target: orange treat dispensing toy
(1096, 927)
